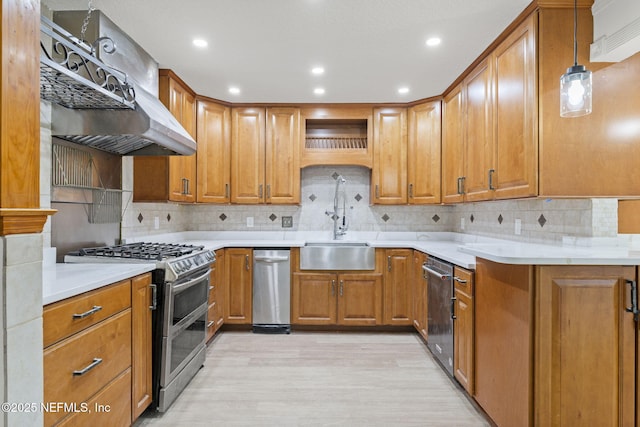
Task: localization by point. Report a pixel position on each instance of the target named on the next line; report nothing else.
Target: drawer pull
(210, 324)
(95, 309)
(96, 362)
(459, 280)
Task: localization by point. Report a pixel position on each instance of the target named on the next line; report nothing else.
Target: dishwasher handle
(439, 274)
(271, 259)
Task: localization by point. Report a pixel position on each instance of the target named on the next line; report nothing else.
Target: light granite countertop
(62, 281)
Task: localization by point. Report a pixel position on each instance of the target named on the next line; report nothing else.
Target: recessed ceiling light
(317, 70)
(403, 90)
(234, 90)
(318, 91)
(433, 41)
(200, 43)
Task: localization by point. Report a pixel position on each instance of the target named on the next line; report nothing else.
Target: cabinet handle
(211, 323)
(268, 191)
(260, 191)
(246, 262)
(95, 309)
(226, 191)
(96, 362)
(333, 288)
(459, 280)
(453, 308)
(341, 287)
(211, 288)
(184, 185)
(377, 191)
(154, 296)
(389, 263)
(459, 185)
(491, 172)
(188, 189)
(634, 299)
(411, 191)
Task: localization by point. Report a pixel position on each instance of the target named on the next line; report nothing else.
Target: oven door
(185, 323)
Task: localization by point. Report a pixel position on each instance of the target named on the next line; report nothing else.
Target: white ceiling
(369, 48)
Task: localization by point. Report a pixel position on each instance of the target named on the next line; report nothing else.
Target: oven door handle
(182, 286)
(442, 276)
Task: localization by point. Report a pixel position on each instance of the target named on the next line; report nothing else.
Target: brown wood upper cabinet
(423, 153)
(265, 159)
(162, 178)
(489, 143)
(388, 176)
(214, 152)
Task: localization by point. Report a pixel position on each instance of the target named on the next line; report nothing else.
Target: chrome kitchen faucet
(340, 222)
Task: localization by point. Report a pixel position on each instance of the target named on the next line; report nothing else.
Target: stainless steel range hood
(115, 122)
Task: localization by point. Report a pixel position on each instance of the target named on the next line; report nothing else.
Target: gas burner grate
(143, 251)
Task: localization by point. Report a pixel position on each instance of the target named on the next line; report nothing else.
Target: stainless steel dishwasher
(271, 291)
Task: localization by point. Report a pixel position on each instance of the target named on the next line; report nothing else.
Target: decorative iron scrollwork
(72, 76)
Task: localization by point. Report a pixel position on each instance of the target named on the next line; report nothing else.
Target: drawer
(109, 341)
(64, 318)
(463, 281)
(111, 407)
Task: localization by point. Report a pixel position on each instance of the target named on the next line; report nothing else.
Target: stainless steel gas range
(181, 279)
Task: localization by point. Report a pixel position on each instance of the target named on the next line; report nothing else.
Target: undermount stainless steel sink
(337, 256)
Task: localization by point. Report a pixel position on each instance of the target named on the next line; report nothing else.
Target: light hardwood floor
(319, 379)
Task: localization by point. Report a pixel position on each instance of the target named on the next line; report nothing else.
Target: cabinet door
(247, 155)
(452, 146)
(463, 336)
(182, 169)
(388, 176)
(220, 287)
(239, 266)
(214, 153)
(478, 151)
(516, 114)
(419, 294)
(397, 287)
(585, 347)
(423, 153)
(141, 303)
(313, 298)
(360, 299)
(282, 167)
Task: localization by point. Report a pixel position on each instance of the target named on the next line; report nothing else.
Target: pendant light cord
(575, 33)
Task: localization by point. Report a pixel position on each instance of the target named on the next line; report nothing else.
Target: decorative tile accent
(168, 217)
(435, 218)
(358, 197)
(140, 217)
(222, 217)
(273, 217)
(312, 197)
(335, 175)
(500, 219)
(542, 220)
(472, 218)
(386, 217)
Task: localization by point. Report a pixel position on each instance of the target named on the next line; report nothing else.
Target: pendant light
(575, 84)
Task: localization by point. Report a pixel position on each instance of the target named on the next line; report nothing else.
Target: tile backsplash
(541, 220)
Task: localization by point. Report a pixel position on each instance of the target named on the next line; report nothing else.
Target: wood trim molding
(23, 221)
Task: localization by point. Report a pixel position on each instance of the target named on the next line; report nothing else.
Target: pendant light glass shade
(575, 92)
(575, 84)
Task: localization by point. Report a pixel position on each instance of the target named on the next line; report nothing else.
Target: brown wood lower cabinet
(238, 286)
(336, 298)
(102, 360)
(215, 313)
(419, 294)
(397, 287)
(463, 336)
(555, 345)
